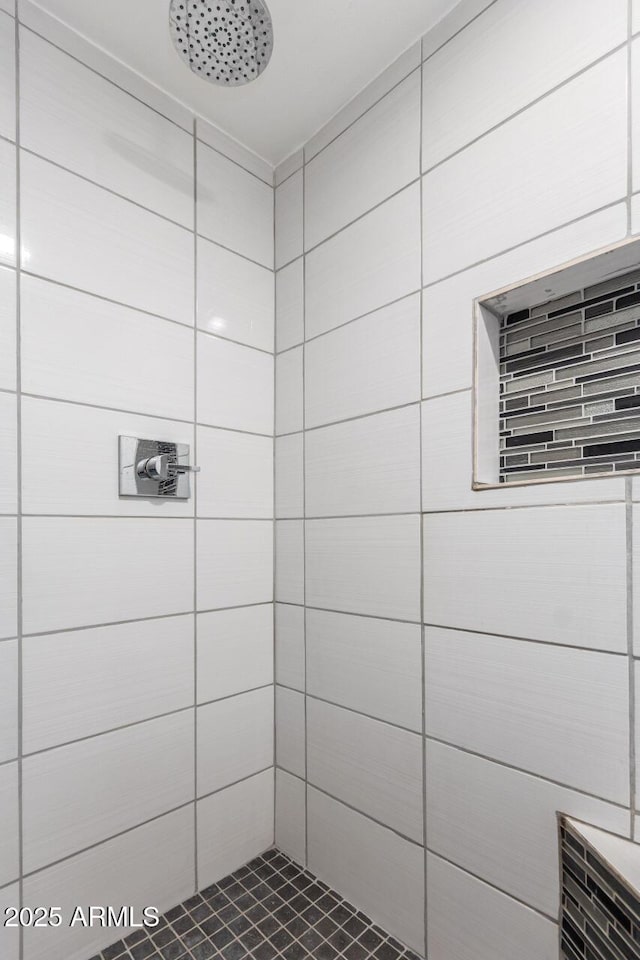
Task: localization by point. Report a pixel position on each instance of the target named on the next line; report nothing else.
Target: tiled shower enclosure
(452, 666)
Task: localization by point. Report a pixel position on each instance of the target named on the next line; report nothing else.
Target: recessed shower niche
(557, 373)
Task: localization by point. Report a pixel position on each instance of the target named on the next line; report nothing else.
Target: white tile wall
(235, 386)
(8, 700)
(370, 865)
(73, 116)
(505, 820)
(7, 204)
(83, 572)
(9, 817)
(8, 440)
(7, 78)
(73, 796)
(372, 766)
(373, 262)
(236, 478)
(235, 739)
(235, 208)
(125, 253)
(635, 15)
(85, 682)
(235, 651)
(84, 349)
(370, 465)
(447, 467)
(235, 297)
(519, 181)
(153, 864)
(556, 712)
(288, 220)
(290, 730)
(373, 666)
(635, 93)
(77, 443)
(636, 574)
(492, 50)
(467, 920)
(368, 365)
(234, 826)
(8, 578)
(290, 305)
(289, 476)
(373, 159)
(7, 329)
(290, 561)
(289, 391)
(290, 645)
(365, 565)
(569, 586)
(290, 816)
(288, 166)
(10, 936)
(447, 340)
(234, 150)
(234, 563)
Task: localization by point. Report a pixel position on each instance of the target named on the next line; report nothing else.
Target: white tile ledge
(623, 856)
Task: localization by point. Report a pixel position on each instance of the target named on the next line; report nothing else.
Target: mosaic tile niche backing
(600, 913)
(570, 384)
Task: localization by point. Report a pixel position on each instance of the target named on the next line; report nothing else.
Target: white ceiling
(325, 52)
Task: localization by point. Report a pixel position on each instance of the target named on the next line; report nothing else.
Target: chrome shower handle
(162, 467)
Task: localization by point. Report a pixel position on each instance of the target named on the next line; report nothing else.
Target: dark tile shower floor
(270, 908)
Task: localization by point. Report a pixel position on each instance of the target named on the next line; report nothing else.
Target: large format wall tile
(492, 50)
(73, 116)
(235, 739)
(7, 328)
(371, 465)
(372, 766)
(9, 446)
(290, 731)
(290, 816)
(79, 445)
(491, 819)
(468, 920)
(81, 348)
(370, 865)
(636, 569)
(289, 391)
(368, 365)
(567, 587)
(447, 333)
(234, 826)
(235, 651)
(288, 220)
(554, 711)
(234, 563)
(373, 262)
(8, 700)
(7, 78)
(9, 818)
(365, 565)
(152, 865)
(84, 236)
(235, 297)
(290, 305)
(290, 646)
(447, 467)
(235, 386)
(289, 469)
(85, 682)
(235, 208)
(373, 666)
(82, 572)
(520, 180)
(8, 204)
(373, 159)
(9, 936)
(236, 478)
(289, 561)
(8, 578)
(73, 796)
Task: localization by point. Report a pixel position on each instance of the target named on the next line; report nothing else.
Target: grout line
(274, 551)
(423, 743)
(304, 501)
(368, 816)
(193, 478)
(630, 651)
(457, 32)
(205, 143)
(629, 115)
(414, 731)
(19, 542)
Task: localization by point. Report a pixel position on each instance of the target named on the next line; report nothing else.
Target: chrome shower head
(228, 42)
